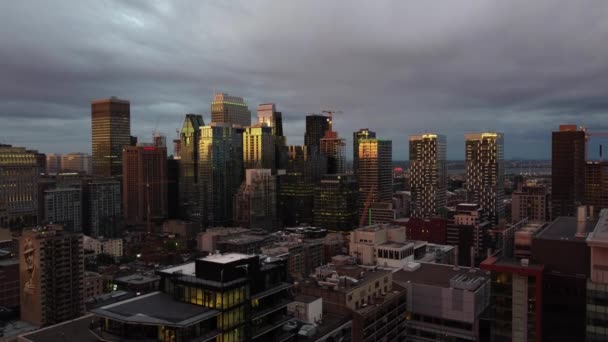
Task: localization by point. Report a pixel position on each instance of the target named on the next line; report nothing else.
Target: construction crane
(331, 113)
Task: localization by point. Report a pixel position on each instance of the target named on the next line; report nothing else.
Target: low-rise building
(113, 247)
(181, 228)
(444, 302)
(93, 285)
(376, 304)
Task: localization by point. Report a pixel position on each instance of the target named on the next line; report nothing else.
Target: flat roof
(305, 298)
(74, 330)
(226, 258)
(185, 269)
(156, 308)
(564, 228)
(138, 278)
(394, 244)
(438, 275)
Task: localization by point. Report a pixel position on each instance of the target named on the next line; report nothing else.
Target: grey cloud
(397, 67)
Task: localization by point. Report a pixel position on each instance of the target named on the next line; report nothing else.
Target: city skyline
(406, 71)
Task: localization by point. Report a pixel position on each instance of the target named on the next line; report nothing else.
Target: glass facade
(316, 126)
(259, 148)
(220, 172)
(188, 167)
(363, 133)
(111, 132)
(335, 204)
(375, 173)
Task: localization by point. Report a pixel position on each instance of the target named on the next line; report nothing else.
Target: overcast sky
(397, 67)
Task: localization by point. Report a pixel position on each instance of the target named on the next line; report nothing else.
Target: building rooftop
(74, 330)
(564, 228)
(156, 308)
(392, 244)
(244, 239)
(185, 269)
(331, 322)
(438, 275)
(353, 276)
(226, 258)
(305, 298)
(138, 278)
(377, 227)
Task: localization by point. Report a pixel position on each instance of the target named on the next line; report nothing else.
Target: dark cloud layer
(398, 67)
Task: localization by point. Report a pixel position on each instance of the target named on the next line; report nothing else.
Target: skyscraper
(259, 148)
(486, 173)
(428, 174)
(568, 154)
(51, 266)
(297, 185)
(19, 174)
(334, 149)
(268, 115)
(144, 184)
(76, 162)
(255, 204)
(336, 203)
(64, 206)
(230, 109)
(220, 172)
(316, 126)
(111, 128)
(375, 175)
(189, 186)
(363, 133)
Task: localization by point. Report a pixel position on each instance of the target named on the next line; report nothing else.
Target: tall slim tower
(111, 127)
(144, 184)
(334, 148)
(375, 175)
(230, 109)
(486, 173)
(363, 133)
(220, 172)
(268, 115)
(189, 197)
(428, 174)
(316, 126)
(259, 148)
(568, 156)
